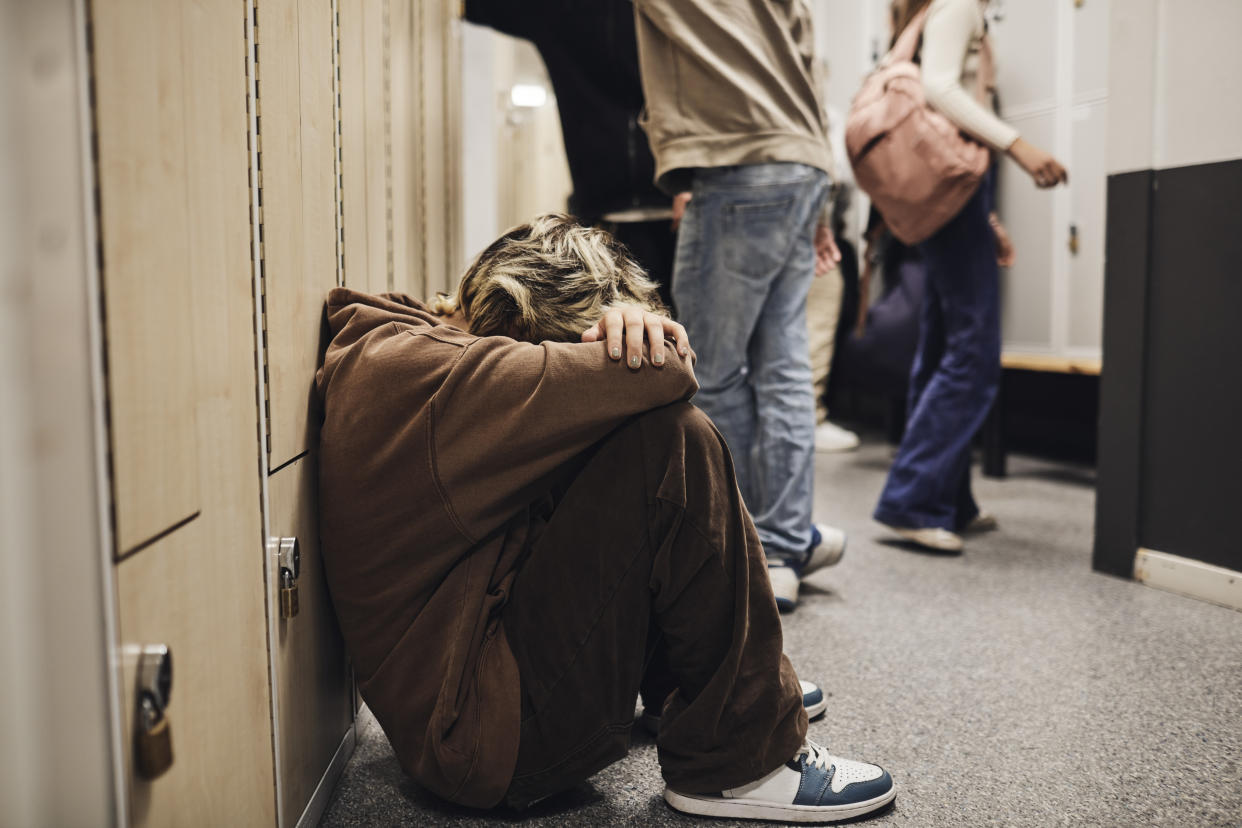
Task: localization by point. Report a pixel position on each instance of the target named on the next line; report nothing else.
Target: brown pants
(650, 554)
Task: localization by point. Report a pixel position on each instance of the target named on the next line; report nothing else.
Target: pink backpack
(918, 168)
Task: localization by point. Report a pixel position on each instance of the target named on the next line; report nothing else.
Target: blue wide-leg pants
(954, 378)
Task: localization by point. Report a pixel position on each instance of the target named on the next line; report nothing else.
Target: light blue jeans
(745, 260)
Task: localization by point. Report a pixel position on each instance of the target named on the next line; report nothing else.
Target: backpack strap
(985, 85)
(905, 47)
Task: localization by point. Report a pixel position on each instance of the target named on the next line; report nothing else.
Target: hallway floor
(1009, 686)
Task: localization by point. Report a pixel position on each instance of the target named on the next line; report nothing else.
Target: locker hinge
(254, 107)
(337, 140)
(388, 218)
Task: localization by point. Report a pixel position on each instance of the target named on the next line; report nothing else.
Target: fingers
(614, 328)
(627, 328)
(655, 339)
(1050, 173)
(834, 252)
(634, 329)
(677, 333)
(679, 207)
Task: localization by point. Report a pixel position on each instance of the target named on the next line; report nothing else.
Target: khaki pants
(650, 553)
(823, 308)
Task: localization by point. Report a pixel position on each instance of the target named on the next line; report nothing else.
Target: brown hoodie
(437, 454)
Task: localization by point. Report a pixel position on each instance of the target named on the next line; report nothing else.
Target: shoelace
(816, 755)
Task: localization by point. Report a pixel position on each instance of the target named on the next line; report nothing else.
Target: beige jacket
(729, 82)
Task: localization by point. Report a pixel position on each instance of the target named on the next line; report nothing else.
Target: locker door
(314, 684)
(170, 114)
(145, 224)
(297, 175)
(366, 144)
(407, 182)
(299, 132)
(1088, 181)
(1027, 34)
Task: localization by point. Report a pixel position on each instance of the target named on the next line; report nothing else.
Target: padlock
(288, 594)
(153, 753)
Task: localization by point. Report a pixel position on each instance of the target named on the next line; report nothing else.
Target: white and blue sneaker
(814, 786)
(826, 549)
(813, 702)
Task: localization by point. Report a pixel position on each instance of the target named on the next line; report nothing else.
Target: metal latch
(153, 753)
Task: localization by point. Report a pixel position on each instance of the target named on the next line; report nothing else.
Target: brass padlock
(153, 752)
(288, 594)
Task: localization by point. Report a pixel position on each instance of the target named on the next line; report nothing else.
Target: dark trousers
(649, 555)
(954, 378)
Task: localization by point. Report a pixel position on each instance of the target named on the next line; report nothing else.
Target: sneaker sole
(911, 535)
(816, 710)
(715, 806)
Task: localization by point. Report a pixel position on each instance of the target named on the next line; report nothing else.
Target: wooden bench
(994, 447)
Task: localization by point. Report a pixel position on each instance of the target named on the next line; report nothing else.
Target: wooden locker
(297, 148)
(406, 140)
(314, 685)
(365, 144)
(141, 121)
(200, 589)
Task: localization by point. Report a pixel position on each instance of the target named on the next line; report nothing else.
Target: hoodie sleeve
(512, 413)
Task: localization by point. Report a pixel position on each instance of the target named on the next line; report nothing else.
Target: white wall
(513, 159)
(1175, 78)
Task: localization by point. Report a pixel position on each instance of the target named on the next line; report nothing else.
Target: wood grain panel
(378, 145)
(433, 209)
(314, 684)
(141, 123)
(200, 590)
(299, 205)
(406, 179)
(353, 144)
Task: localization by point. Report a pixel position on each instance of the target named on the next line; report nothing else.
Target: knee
(681, 430)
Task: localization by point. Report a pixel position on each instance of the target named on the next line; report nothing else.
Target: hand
(633, 323)
(827, 256)
(1045, 169)
(1005, 254)
(679, 207)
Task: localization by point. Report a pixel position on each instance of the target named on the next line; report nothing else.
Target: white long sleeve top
(952, 43)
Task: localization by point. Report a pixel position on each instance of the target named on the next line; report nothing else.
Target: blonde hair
(548, 280)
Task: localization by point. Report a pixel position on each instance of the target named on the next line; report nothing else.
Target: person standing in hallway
(591, 56)
(734, 117)
(927, 498)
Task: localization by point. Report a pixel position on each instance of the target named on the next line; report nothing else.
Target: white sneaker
(942, 540)
(784, 580)
(982, 522)
(827, 547)
(814, 786)
(831, 437)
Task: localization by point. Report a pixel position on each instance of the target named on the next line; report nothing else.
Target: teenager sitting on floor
(513, 531)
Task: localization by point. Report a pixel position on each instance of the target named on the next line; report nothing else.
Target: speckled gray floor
(1008, 686)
